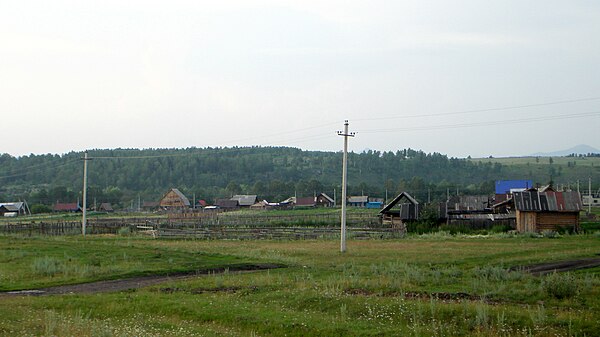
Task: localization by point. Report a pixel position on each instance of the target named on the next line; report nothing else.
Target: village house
(358, 201)
(323, 200)
(396, 214)
(546, 209)
(105, 207)
(66, 207)
(12, 208)
(227, 204)
(245, 200)
(305, 202)
(475, 211)
(174, 199)
(150, 205)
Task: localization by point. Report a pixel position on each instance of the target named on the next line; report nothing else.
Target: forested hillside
(121, 176)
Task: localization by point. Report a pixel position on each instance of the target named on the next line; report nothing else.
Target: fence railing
(217, 226)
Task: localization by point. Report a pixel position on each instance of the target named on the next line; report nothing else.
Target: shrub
(530, 235)
(47, 266)
(550, 234)
(560, 286)
(496, 273)
(39, 208)
(124, 231)
(501, 228)
(421, 227)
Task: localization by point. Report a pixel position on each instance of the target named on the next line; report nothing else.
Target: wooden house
(174, 199)
(546, 209)
(358, 201)
(396, 214)
(264, 205)
(66, 207)
(305, 202)
(323, 200)
(227, 204)
(245, 200)
(105, 207)
(15, 208)
(150, 205)
(476, 212)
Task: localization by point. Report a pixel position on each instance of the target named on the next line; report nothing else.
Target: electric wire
(513, 107)
(484, 123)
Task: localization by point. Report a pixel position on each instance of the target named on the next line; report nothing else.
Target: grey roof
(358, 199)
(12, 206)
(468, 202)
(550, 201)
(185, 200)
(397, 199)
(330, 199)
(245, 200)
(106, 206)
(227, 203)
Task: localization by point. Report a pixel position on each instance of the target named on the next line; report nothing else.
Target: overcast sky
(78, 75)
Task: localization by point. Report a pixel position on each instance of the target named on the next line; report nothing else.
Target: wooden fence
(218, 226)
(261, 220)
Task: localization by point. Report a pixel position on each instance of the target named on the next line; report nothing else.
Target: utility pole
(590, 196)
(84, 213)
(334, 198)
(344, 134)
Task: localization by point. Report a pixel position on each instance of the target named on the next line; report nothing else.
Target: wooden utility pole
(344, 134)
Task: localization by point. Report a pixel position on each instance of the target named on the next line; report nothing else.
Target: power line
(44, 167)
(485, 123)
(513, 107)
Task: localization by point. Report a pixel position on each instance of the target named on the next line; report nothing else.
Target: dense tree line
(121, 176)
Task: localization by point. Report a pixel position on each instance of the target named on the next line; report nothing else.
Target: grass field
(419, 286)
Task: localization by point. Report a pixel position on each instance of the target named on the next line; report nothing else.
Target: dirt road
(131, 283)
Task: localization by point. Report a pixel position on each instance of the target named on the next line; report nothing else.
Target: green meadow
(427, 285)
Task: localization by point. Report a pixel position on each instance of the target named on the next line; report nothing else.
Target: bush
(532, 235)
(501, 228)
(550, 234)
(39, 208)
(47, 266)
(421, 227)
(560, 286)
(496, 273)
(124, 231)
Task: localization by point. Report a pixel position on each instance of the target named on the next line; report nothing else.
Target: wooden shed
(358, 201)
(396, 214)
(245, 200)
(537, 211)
(174, 199)
(305, 202)
(66, 207)
(323, 200)
(106, 207)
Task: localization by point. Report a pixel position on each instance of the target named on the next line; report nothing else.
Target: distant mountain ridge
(579, 149)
